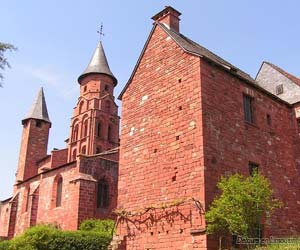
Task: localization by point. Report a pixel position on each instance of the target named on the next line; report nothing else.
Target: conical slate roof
(98, 64)
(38, 109)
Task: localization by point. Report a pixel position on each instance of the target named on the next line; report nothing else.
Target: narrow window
(109, 134)
(106, 88)
(81, 107)
(269, 121)
(248, 108)
(85, 88)
(83, 150)
(75, 133)
(58, 192)
(74, 155)
(253, 168)
(279, 89)
(99, 128)
(85, 128)
(102, 194)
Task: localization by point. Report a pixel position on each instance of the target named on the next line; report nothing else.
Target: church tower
(34, 140)
(95, 121)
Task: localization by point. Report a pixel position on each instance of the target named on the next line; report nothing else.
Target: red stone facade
(71, 184)
(183, 127)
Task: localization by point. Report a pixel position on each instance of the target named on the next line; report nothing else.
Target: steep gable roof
(283, 72)
(195, 49)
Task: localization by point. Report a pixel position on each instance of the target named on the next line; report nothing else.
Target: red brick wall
(4, 218)
(95, 169)
(34, 144)
(161, 157)
(230, 143)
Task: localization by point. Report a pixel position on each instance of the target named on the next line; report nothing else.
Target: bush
(4, 245)
(93, 235)
(104, 226)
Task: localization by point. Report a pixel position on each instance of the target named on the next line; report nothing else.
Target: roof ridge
(288, 75)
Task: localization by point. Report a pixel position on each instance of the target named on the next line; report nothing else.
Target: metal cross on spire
(100, 32)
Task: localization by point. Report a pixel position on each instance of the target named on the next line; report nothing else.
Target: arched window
(102, 194)
(75, 133)
(81, 107)
(83, 150)
(85, 128)
(58, 192)
(110, 133)
(99, 129)
(74, 155)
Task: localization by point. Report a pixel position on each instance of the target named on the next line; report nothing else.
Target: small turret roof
(38, 109)
(98, 64)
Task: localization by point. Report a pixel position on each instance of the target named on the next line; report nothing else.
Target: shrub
(104, 226)
(93, 235)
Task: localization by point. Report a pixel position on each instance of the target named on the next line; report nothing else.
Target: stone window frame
(102, 194)
(248, 108)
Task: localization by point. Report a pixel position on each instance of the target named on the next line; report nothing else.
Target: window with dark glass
(99, 128)
(102, 194)
(253, 168)
(109, 134)
(248, 108)
(59, 192)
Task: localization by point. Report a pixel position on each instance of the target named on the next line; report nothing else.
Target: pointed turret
(98, 65)
(38, 109)
(34, 140)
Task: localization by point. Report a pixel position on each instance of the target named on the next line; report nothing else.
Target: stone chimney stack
(169, 17)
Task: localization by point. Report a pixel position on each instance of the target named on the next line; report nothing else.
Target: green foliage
(3, 61)
(104, 226)
(295, 245)
(242, 204)
(48, 237)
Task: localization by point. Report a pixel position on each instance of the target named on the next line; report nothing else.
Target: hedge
(47, 237)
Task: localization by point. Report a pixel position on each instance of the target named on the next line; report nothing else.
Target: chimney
(169, 17)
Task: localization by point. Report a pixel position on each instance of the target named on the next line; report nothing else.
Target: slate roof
(98, 64)
(192, 47)
(283, 72)
(38, 109)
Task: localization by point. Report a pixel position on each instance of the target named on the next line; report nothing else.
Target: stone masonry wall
(161, 155)
(230, 143)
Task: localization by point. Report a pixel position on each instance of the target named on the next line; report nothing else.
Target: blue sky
(56, 39)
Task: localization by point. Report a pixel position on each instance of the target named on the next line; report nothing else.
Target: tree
(242, 205)
(3, 61)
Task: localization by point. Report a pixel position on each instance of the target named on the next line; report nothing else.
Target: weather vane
(100, 32)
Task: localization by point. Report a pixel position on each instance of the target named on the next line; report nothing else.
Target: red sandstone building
(75, 183)
(188, 117)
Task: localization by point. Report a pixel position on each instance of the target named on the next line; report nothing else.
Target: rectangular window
(279, 89)
(253, 168)
(248, 108)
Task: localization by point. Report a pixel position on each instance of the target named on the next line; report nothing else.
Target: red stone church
(188, 117)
